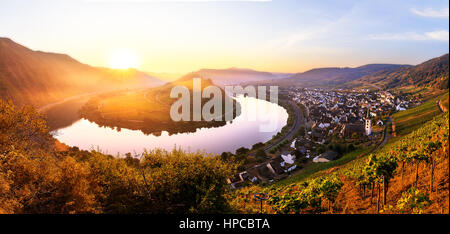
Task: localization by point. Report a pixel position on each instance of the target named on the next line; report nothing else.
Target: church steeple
(368, 122)
(368, 113)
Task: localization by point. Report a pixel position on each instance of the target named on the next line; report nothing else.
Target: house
(302, 150)
(238, 180)
(291, 168)
(400, 108)
(316, 135)
(326, 157)
(289, 159)
(324, 125)
(265, 172)
(253, 173)
(349, 129)
(293, 143)
(275, 166)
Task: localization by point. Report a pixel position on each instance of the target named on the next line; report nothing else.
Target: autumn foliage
(35, 177)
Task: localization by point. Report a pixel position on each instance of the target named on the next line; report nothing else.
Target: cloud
(429, 12)
(316, 33)
(439, 35)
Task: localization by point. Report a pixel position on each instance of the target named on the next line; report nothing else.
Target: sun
(123, 59)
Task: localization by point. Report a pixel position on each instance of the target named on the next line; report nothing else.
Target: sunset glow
(224, 115)
(248, 34)
(123, 59)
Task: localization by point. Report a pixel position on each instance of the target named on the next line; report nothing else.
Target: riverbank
(241, 132)
(72, 98)
(149, 110)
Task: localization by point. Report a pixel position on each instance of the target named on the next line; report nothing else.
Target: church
(360, 129)
(368, 123)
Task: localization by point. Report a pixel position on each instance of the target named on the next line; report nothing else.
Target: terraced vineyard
(444, 102)
(409, 120)
(407, 175)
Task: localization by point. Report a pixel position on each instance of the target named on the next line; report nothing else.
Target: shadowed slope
(38, 78)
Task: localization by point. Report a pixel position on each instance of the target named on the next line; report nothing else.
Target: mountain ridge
(38, 78)
(231, 76)
(336, 75)
(432, 73)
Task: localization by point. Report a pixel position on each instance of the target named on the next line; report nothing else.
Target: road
(50, 105)
(297, 123)
(438, 103)
(386, 134)
(298, 120)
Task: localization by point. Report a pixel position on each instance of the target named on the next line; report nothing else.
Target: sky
(187, 35)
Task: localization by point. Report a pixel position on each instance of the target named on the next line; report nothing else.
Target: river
(243, 131)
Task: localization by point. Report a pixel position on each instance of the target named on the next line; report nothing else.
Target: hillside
(408, 120)
(232, 76)
(147, 110)
(430, 74)
(408, 175)
(38, 78)
(333, 75)
(38, 177)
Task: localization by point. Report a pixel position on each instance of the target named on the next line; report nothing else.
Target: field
(444, 102)
(410, 119)
(316, 169)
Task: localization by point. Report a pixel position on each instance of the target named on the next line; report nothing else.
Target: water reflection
(243, 131)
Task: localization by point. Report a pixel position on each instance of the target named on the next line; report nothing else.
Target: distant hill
(166, 76)
(432, 73)
(149, 110)
(38, 78)
(233, 76)
(334, 75)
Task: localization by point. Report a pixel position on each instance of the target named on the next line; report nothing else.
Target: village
(335, 122)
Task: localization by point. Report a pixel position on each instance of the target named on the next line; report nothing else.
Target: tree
(260, 155)
(257, 145)
(329, 188)
(402, 156)
(23, 129)
(242, 150)
(378, 170)
(350, 147)
(186, 182)
(385, 168)
(225, 156)
(413, 200)
(429, 148)
(416, 156)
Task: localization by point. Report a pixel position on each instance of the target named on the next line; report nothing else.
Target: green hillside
(410, 119)
(412, 168)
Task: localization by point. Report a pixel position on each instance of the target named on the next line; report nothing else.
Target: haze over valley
(224, 107)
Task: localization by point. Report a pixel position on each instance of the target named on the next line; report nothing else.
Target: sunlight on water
(244, 131)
